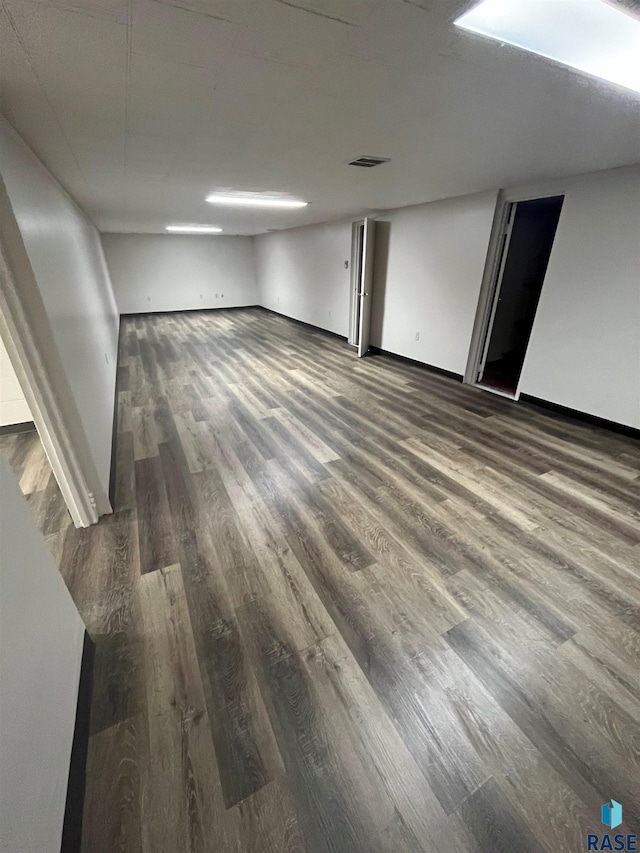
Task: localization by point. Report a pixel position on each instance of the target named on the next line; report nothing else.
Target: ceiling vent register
(369, 162)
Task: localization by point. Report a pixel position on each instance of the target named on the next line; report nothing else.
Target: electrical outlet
(417, 336)
(346, 265)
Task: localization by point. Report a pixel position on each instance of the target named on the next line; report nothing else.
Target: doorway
(523, 254)
(362, 253)
(29, 344)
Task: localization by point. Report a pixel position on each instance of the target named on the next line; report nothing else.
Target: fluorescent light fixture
(193, 229)
(590, 35)
(254, 200)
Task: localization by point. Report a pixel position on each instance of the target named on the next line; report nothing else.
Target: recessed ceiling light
(254, 200)
(590, 35)
(194, 229)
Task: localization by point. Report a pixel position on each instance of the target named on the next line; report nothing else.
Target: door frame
(354, 281)
(34, 372)
(491, 278)
(502, 252)
(366, 285)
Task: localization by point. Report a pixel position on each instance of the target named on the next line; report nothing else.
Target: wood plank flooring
(350, 605)
(25, 455)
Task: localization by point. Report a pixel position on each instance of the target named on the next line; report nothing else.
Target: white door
(355, 280)
(366, 286)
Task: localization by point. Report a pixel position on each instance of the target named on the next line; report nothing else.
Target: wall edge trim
(303, 323)
(114, 425)
(583, 417)
(451, 374)
(10, 429)
(188, 311)
(74, 807)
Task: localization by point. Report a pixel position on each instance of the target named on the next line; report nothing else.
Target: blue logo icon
(612, 817)
(612, 814)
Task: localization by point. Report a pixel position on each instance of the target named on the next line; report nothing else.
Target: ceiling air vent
(369, 162)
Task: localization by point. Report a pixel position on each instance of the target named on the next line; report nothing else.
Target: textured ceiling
(142, 107)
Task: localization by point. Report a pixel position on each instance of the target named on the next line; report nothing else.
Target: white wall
(176, 272)
(430, 279)
(429, 262)
(301, 274)
(14, 409)
(584, 350)
(41, 638)
(66, 255)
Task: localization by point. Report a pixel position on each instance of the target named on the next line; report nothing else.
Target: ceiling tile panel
(110, 10)
(178, 33)
(141, 115)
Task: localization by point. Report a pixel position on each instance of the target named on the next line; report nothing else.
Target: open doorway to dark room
(529, 236)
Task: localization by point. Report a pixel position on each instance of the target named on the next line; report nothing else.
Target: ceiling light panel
(193, 229)
(255, 200)
(592, 36)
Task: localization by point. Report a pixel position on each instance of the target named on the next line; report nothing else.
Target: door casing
(506, 202)
(366, 285)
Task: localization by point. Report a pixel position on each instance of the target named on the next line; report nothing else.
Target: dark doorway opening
(524, 256)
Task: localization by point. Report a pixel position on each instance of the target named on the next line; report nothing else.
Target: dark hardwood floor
(351, 605)
(26, 457)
